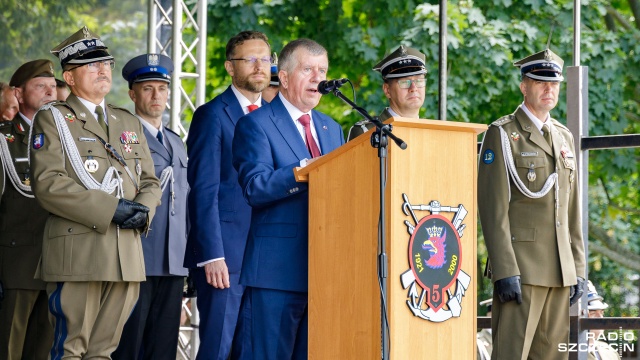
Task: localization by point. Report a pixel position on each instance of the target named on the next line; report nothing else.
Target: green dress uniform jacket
(525, 236)
(22, 219)
(363, 126)
(80, 241)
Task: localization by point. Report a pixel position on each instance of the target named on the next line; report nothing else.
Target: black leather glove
(509, 289)
(137, 221)
(126, 209)
(576, 291)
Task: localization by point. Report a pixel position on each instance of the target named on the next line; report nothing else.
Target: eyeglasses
(265, 60)
(406, 83)
(94, 67)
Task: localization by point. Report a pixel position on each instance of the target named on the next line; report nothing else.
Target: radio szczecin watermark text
(620, 341)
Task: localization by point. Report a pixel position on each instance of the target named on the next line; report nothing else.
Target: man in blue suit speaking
(219, 215)
(268, 144)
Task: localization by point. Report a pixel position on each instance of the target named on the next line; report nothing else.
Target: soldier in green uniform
(403, 72)
(25, 332)
(599, 349)
(529, 203)
(92, 170)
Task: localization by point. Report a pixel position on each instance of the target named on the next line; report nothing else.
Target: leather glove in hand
(509, 289)
(576, 291)
(137, 221)
(126, 209)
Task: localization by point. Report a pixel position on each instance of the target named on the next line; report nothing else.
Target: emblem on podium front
(435, 282)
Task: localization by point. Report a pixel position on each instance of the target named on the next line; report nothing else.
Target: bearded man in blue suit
(268, 144)
(219, 215)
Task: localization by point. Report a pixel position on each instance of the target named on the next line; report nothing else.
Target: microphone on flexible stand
(327, 86)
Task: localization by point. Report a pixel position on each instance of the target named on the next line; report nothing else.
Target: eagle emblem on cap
(403, 51)
(547, 55)
(85, 33)
(153, 60)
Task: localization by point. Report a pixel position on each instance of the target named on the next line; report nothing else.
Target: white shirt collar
(535, 120)
(150, 128)
(27, 120)
(393, 113)
(92, 107)
(293, 111)
(244, 102)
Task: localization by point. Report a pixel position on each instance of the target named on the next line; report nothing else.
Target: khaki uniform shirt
(80, 241)
(22, 219)
(525, 236)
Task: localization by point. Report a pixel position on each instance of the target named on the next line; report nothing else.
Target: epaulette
(120, 108)
(559, 124)
(4, 124)
(166, 128)
(504, 120)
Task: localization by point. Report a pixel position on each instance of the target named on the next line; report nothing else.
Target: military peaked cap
(81, 48)
(544, 66)
(148, 67)
(403, 62)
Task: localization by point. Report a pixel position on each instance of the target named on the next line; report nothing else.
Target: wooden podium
(439, 164)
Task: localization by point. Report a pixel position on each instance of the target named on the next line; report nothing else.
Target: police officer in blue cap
(152, 329)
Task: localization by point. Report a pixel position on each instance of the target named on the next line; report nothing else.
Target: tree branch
(619, 18)
(618, 258)
(613, 249)
(635, 9)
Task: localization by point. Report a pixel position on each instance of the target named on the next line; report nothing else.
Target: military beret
(275, 80)
(544, 66)
(403, 62)
(81, 48)
(30, 70)
(148, 67)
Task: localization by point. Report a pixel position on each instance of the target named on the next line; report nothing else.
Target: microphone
(327, 86)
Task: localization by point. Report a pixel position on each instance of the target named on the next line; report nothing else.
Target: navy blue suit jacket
(266, 148)
(218, 213)
(164, 246)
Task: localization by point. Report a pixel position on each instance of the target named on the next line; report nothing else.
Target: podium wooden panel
(440, 164)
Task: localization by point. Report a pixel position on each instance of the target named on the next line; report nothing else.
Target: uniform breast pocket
(93, 154)
(531, 170)
(132, 151)
(69, 248)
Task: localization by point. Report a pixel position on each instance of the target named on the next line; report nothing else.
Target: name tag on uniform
(86, 139)
(21, 160)
(529, 153)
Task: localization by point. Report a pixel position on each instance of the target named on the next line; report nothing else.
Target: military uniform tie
(159, 137)
(101, 121)
(547, 134)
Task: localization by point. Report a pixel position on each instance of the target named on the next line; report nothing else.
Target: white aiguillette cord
(111, 181)
(10, 169)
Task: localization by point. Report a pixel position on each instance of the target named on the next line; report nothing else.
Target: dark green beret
(30, 70)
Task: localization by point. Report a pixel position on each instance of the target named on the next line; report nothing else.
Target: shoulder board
(504, 120)
(171, 131)
(4, 124)
(559, 124)
(119, 108)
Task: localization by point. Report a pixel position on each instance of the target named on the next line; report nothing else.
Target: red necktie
(252, 107)
(311, 143)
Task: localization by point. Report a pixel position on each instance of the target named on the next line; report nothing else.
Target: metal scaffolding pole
(179, 30)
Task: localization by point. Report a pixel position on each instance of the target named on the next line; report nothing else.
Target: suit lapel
(283, 122)
(232, 108)
(155, 146)
(320, 124)
(534, 134)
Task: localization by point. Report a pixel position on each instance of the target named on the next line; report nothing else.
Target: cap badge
(153, 60)
(547, 55)
(85, 33)
(403, 51)
(51, 67)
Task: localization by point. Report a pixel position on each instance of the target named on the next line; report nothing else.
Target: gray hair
(286, 60)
